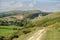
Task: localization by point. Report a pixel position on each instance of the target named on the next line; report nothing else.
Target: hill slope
(47, 20)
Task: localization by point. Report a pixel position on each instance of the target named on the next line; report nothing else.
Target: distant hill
(32, 16)
(10, 13)
(27, 14)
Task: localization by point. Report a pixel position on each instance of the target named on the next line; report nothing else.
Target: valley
(29, 25)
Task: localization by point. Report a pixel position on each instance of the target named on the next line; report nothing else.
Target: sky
(43, 5)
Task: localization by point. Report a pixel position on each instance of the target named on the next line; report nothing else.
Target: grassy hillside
(47, 20)
(52, 33)
(18, 28)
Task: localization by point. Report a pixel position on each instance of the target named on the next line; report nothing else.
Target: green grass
(10, 27)
(52, 33)
(6, 32)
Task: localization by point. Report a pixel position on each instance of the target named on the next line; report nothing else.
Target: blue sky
(43, 5)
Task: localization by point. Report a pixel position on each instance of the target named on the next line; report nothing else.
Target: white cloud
(10, 5)
(57, 5)
(31, 5)
(18, 4)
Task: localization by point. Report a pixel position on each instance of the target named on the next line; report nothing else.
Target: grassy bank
(53, 33)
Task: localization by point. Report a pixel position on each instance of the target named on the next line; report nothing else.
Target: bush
(1, 38)
(16, 36)
(26, 31)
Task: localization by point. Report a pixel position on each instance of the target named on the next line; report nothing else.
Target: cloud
(10, 5)
(57, 5)
(31, 4)
(48, 6)
(18, 4)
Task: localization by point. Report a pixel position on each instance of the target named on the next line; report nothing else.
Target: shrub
(1, 38)
(26, 31)
(14, 28)
(16, 36)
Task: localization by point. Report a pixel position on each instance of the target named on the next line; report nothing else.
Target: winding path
(37, 35)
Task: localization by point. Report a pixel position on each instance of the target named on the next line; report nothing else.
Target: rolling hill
(30, 23)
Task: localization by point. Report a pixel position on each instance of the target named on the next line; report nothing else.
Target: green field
(11, 27)
(7, 32)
